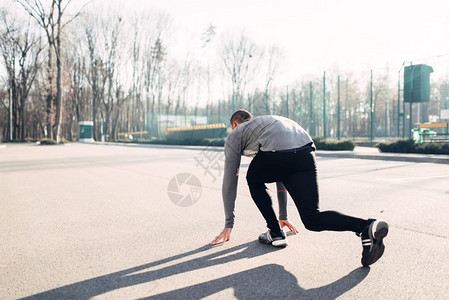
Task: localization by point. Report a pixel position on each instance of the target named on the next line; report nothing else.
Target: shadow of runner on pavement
(267, 282)
(240, 281)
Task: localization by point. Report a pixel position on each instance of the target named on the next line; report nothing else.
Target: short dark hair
(241, 115)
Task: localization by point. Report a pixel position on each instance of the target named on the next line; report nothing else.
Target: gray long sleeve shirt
(267, 133)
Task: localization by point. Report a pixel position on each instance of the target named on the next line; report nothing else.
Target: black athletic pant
(297, 170)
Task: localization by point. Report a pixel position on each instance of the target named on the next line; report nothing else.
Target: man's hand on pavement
(224, 236)
(283, 223)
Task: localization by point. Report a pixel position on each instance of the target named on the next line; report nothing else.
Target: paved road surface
(94, 221)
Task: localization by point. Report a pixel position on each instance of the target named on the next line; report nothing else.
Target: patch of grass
(47, 142)
(408, 146)
(399, 146)
(219, 142)
(342, 145)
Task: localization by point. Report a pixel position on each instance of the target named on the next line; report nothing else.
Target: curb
(417, 158)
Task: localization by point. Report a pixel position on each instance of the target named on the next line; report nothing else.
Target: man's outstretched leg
(303, 188)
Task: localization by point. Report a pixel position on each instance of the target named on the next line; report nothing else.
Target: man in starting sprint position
(286, 154)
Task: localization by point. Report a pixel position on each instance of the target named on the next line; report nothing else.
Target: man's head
(239, 117)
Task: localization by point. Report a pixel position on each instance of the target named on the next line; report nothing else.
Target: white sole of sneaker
(280, 243)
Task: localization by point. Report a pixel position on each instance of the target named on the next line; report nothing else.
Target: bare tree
(155, 62)
(10, 56)
(50, 19)
(78, 96)
(272, 64)
(103, 37)
(94, 72)
(173, 81)
(148, 56)
(239, 56)
(20, 49)
(136, 105)
(112, 47)
(382, 93)
(183, 87)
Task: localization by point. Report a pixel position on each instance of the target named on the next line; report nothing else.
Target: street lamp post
(324, 106)
(10, 114)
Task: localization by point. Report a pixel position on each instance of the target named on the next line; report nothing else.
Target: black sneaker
(277, 241)
(373, 246)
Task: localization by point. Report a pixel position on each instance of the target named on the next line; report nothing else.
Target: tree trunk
(58, 78)
(49, 98)
(22, 121)
(58, 99)
(94, 116)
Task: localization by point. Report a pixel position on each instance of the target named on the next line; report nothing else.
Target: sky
(318, 35)
(315, 35)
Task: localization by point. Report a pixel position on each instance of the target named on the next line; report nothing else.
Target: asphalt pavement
(102, 221)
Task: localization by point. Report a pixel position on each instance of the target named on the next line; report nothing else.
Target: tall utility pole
(10, 114)
(324, 105)
(286, 100)
(219, 113)
(403, 117)
(410, 123)
(387, 122)
(338, 108)
(371, 107)
(399, 102)
(347, 125)
(399, 105)
(311, 121)
(403, 108)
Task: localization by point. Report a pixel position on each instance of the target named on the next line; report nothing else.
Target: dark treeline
(62, 65)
